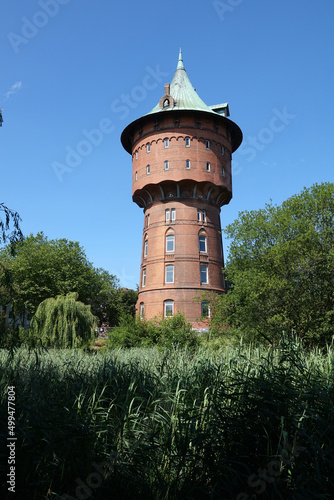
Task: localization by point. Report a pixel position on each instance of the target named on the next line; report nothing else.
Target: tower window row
(187, 165)
(186, 142)
(170, 216)
(169, 275)
(170, 244)
(169, 309)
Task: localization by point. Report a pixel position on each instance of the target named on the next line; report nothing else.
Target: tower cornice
(128, 135)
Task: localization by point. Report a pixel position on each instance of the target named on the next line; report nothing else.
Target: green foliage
(280, 270)
(166, 332)
(43, 268)
(176, 332)
(62, 322)
(127, 302)
(244, 422)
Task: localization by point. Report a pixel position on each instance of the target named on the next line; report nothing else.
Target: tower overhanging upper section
(180, 96)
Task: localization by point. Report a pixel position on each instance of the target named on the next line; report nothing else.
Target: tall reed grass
(242, 422)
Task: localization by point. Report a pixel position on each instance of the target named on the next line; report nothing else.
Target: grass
(237, 423)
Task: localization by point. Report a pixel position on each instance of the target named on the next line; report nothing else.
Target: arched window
(170, 241)
(202, 242)
(141, 310)
(168, 308)
(145, 246)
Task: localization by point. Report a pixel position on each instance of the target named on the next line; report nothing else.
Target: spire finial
(180, 61)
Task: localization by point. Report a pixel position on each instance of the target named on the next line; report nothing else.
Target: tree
(280, 268)
(43, 268)
(104, 300)
(63, 322)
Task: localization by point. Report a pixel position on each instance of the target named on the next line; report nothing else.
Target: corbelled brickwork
(181, 156)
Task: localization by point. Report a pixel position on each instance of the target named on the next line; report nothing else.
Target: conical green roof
(183, 93)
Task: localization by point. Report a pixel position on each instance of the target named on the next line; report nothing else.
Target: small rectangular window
(204, 274)
(170, 243)
(136, 177)
(148, 169)
(204, 215)
(208, 166)
(167, 215)
(143, 283)
(136, 155)
(148, 148)
(198, 215)
(166, 143)
(169, 274)
(141, 310)
(173, 214)
(223, 172)
(145, 248)
(207, 144)
(166, 165)
(148, 219)
(187, 142)
(223, 150)
(187, 164)
(205, 309)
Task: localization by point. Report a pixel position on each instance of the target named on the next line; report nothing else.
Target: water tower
(181, 157)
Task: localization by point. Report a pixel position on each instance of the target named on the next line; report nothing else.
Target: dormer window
(166, 100)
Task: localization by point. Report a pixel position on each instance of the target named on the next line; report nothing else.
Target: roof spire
(180, 61)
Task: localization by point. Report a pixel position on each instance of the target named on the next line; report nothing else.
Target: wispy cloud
(14, 88)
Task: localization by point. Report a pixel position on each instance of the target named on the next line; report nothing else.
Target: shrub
(166, 332)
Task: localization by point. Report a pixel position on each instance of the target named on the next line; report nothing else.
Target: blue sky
(77, 72)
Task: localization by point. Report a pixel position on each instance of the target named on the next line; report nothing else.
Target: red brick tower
(181, 156)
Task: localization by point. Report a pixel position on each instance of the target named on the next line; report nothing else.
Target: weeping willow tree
(63, 322)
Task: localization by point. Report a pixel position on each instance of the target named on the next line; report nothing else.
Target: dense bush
(165, 332)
